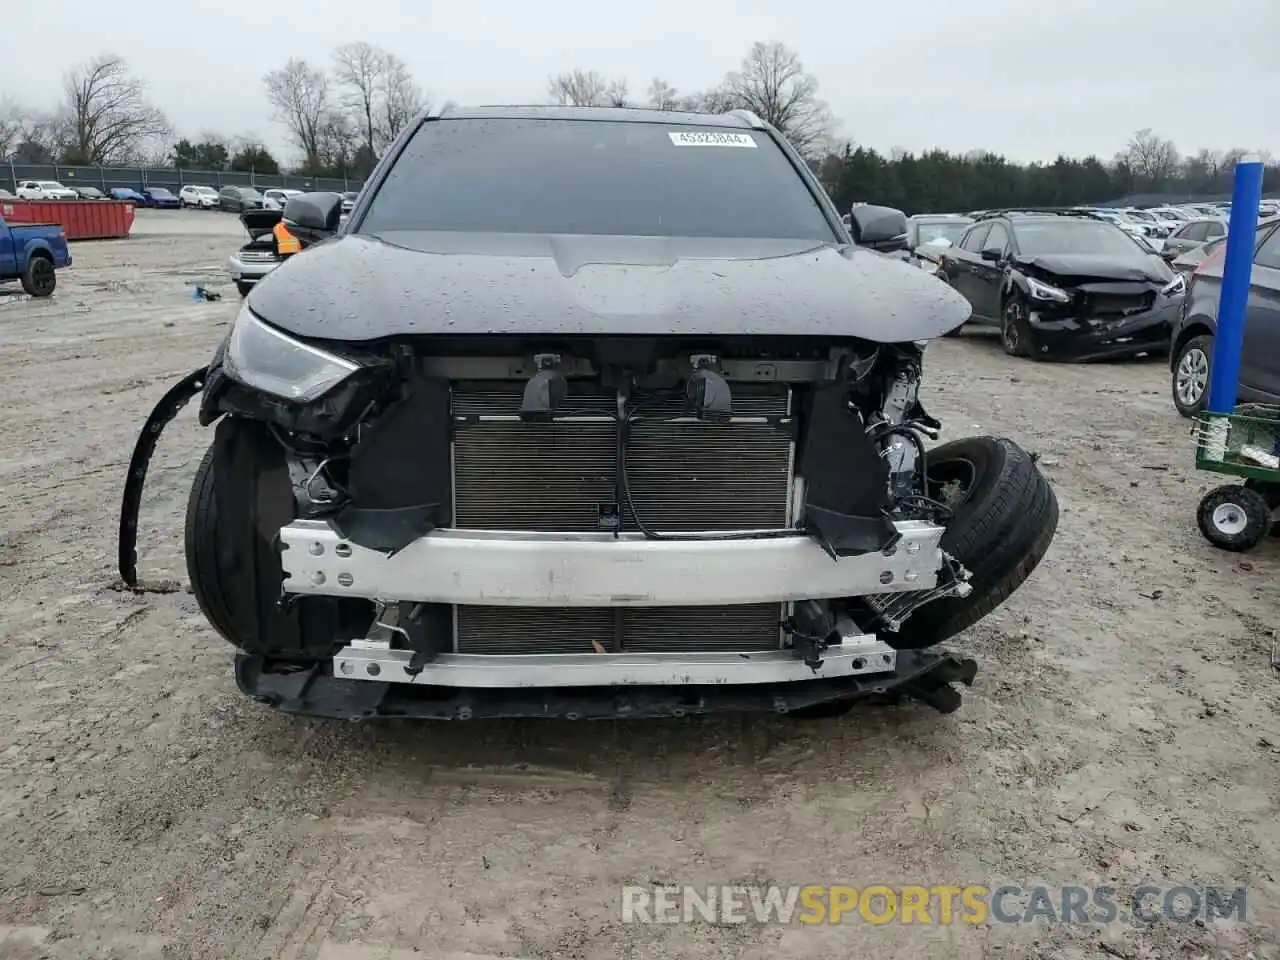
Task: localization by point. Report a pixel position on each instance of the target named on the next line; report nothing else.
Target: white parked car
(45, 190)
(205, 198)
(280, 195)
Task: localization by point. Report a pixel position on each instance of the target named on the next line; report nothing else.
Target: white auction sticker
(707, 138)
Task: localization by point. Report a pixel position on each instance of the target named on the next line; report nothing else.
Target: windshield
(595, 177)
(250, 194)
(1073, 236)
(51, 185)
(205, 191)
(159, 192)
(941, 234)
(1139, 215)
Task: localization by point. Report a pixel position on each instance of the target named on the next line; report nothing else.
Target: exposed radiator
(684, 476)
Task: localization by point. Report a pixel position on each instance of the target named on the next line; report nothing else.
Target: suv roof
(738, 119)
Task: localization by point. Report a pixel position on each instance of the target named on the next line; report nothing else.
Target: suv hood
(356, 288)
(1092, 266)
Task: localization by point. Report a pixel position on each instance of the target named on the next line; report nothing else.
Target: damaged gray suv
(591, 413)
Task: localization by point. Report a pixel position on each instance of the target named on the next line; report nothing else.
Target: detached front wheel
(1004, 516)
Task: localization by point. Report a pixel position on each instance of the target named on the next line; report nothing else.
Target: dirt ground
(1124, 728)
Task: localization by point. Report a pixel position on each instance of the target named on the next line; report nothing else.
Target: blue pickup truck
(33, 253)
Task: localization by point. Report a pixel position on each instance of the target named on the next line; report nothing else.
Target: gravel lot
(1125, 727)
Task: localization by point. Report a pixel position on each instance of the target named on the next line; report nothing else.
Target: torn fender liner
(846, 479)
(922, 675)
(403, 461)
(253, 500)
(389, 530)
(169, 406)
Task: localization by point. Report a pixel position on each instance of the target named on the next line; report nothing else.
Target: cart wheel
(1234, 517)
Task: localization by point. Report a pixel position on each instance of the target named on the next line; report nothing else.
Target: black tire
(1003, 522)
(201, 545)
(243, 288)
(1190, 386)
(40, 278)
(1015, 335)
(1234, 517)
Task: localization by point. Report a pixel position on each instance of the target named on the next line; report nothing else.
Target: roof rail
(1037, 211)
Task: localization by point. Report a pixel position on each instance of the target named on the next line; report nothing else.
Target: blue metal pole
(1237, 267)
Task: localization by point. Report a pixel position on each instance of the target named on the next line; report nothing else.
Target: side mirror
(993, 254)
(880, 228)
(312, 217)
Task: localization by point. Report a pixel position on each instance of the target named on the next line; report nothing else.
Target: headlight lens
(1175, 286)
(1042, 291)
(268, 360)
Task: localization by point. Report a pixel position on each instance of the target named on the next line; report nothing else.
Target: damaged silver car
(591, 413)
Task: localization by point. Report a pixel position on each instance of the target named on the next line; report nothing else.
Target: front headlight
(1042, 291)
(266, 359)
(1176, 286)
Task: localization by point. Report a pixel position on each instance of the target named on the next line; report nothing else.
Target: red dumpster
(80, 219)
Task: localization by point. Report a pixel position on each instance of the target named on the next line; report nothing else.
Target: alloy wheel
(1192, 377)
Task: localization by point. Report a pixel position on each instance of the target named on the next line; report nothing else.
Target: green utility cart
(1245, 444)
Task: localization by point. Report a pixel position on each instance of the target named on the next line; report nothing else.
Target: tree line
(340, 116)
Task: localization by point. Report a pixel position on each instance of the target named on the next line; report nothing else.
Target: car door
(7, 251)
(1185, 238)
(960, 263)
(1260, 359)
(989, 274)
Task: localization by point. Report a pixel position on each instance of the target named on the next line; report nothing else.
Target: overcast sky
(1027, 78)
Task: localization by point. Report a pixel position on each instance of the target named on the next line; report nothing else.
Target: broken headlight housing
(1043, 291)
(266, 359)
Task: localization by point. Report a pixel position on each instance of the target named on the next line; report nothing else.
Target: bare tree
(401, 99)
(106, 116)
(358, 68)
(301, 97)
(715, 100)
(1152, 158)
(616, 94)
(377, 91)
(579, 88)
(662, 95)
(773, 84)
(11, 122)
(339, 143)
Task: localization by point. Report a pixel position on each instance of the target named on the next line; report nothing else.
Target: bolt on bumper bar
(857, 656)
(503, 568)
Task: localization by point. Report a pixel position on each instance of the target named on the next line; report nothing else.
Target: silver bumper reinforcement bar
(864, 657)
(503, 568)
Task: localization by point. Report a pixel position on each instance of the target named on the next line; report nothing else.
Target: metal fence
(104, 178)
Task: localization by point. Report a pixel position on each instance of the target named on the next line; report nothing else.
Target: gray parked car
(240, 199)
(591, 412)
(1194, 233)
(1191, 356)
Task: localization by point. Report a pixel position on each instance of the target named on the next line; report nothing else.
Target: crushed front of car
(584, 472)
(1103, 319)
